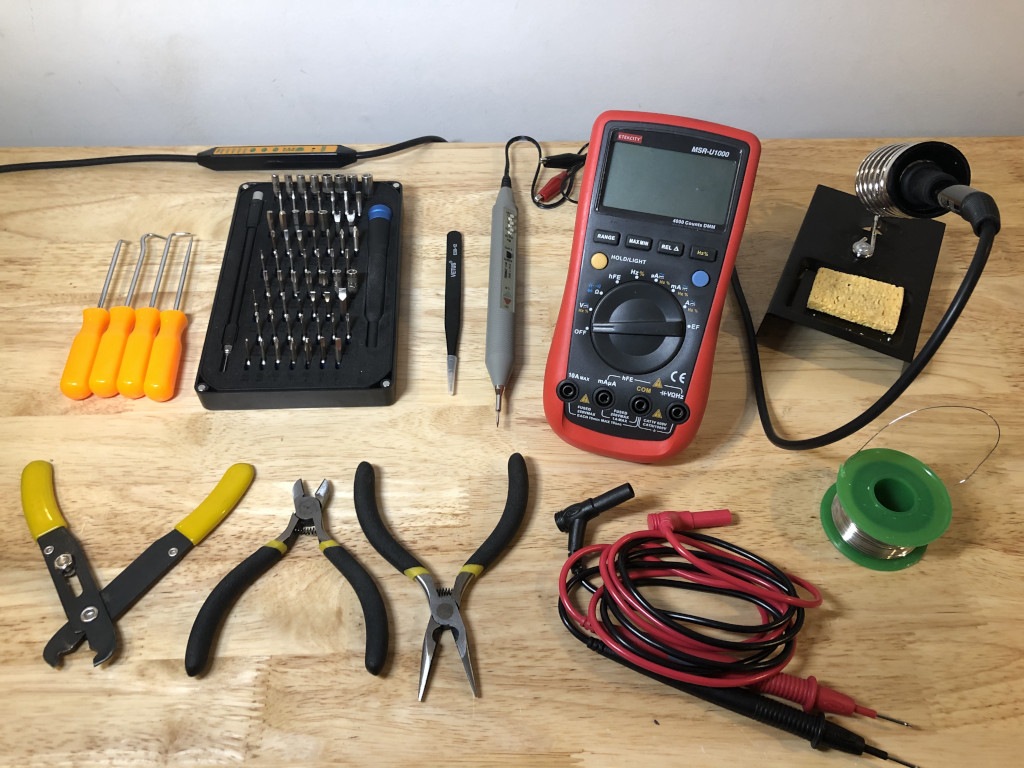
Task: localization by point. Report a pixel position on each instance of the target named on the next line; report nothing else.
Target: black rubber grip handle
(217, 605)
(511, 517)
(375, 614)
(368, 514)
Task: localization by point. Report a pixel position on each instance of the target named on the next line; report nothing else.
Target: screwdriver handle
(74, 382)
(132, 374)
(103, 378)
(162, 373)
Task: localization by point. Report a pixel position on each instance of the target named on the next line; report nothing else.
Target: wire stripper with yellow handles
(308, 519)
(445, 604)
(91, 611)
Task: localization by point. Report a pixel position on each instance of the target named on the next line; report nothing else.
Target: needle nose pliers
(445, 604)
(307, 519)
(91, 611)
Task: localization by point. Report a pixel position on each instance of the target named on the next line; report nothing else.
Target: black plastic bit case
(294, 376)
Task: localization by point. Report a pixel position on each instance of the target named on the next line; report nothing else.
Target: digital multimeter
(661, 213)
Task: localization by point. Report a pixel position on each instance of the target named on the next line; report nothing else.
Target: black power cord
(986, 229)
(237, 158)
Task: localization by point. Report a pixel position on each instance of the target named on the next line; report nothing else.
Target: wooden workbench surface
(938, 644)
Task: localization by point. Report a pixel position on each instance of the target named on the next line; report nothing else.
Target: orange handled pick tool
(138, 349)
(74, 381)
(103, 378)
(162, 372)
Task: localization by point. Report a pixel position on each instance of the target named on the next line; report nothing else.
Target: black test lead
(453, 303)
(622, 624)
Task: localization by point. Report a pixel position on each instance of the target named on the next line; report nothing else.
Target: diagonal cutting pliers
(445, 604)
(307, 519)
(91, 611)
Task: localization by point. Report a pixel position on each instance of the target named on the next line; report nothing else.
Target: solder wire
(856, 538)
(849, 532)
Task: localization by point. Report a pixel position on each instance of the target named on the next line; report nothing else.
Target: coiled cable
(735, 665)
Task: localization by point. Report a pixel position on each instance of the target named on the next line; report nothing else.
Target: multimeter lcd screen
(664, 182)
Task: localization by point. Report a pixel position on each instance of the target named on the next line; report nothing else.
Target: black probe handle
(368, 514)
(374, 613)
(815, 728)
(511, 517)
(453, 292)
(378, 235)
(217, 605)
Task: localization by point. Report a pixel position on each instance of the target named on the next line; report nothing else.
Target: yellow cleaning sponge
(860, 300)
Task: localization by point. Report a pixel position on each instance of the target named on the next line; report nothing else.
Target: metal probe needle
(904, 723)
(883, 755)
(501, 293)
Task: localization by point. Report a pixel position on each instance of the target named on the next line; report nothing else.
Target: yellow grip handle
(74, 382)
(38, 501)
(215, 507)
(103, 379)
(162, 374)
(132, 374)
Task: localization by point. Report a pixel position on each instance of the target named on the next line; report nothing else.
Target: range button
(606, 237)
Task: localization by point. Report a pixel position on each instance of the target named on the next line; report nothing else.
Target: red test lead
(814, 697)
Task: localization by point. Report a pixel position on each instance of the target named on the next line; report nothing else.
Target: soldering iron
(241, 158)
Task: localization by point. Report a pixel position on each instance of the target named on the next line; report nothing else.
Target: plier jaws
(308, 517)
(445, 614)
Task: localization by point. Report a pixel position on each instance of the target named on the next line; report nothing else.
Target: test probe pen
(501, 293)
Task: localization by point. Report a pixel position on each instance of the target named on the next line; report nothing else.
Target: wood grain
(938, 644)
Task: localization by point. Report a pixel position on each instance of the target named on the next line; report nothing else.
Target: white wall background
(142, 72)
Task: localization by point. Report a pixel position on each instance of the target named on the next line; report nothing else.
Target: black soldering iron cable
(47, 165)
(986, 236)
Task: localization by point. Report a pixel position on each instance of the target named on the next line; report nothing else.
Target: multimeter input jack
(640, 405)
(568, 391)
(678, 412)
(603, 398)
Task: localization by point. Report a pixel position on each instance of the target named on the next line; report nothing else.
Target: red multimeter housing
(661, 213)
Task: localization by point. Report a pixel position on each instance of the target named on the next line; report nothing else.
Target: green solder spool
(885, 508)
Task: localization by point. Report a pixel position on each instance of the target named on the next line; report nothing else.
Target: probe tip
(882, 755)
(904, 723)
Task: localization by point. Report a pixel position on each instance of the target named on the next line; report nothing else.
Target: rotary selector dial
(637, 327)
